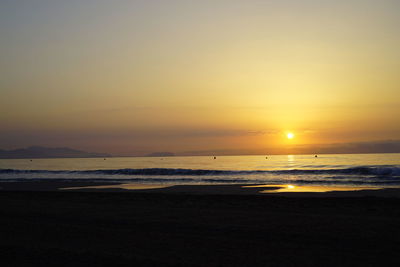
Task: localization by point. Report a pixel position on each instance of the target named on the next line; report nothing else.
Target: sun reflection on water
(308, 188)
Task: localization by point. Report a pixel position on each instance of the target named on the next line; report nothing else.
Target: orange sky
(230, 77)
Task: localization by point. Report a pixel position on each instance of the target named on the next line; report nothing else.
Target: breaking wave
(362, 170)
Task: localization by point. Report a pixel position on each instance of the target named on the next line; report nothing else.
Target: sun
(290, 135)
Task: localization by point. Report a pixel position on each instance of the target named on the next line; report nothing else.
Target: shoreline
(203, 189)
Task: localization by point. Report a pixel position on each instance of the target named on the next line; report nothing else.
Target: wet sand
(196, 226)
(233, 189)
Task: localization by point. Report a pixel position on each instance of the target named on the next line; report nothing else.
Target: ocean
(327, 169)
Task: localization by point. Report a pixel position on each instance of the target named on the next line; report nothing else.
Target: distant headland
(161, 154)
(48, 152)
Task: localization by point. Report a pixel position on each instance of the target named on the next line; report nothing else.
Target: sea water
(327, 169)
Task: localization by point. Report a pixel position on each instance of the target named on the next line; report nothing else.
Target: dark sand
(196, 226)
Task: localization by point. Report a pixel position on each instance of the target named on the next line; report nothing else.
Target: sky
(200, 77)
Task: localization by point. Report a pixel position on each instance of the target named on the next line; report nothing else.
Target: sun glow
(290, 135)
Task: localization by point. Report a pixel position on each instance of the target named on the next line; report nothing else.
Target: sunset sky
(199, 77)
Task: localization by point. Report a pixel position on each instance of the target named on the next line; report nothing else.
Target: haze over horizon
(230, 77)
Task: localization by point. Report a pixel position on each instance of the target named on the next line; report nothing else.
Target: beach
(200, 133)
(204, 225)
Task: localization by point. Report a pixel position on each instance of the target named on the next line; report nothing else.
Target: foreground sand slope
(158, 229)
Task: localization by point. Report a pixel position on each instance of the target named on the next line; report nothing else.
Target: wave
(362, 170)
(215, 181)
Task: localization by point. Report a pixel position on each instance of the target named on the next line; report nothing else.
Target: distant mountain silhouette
(47, 152)
(161, 154)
